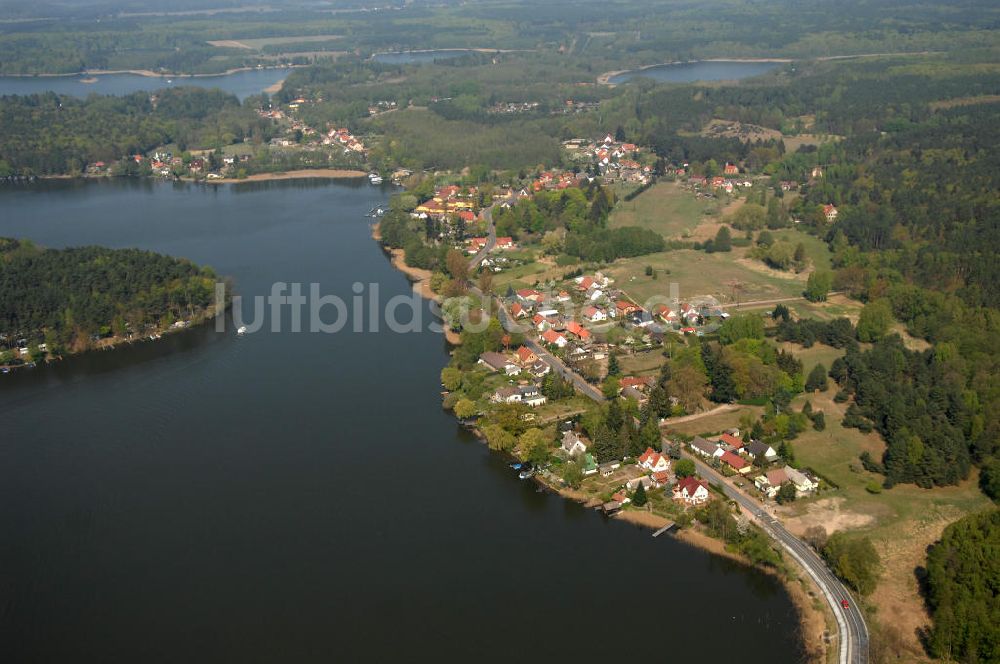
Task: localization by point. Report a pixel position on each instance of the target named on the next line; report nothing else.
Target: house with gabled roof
(758, 450)
(578, 331)
(735, 462)
(653, 460)
(573, 444)
(554, 338)
(730, 442)
(691, 491)
(526, 356)
(706, 448)
(498, 362)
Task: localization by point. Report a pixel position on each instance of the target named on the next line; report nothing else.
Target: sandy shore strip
(419, 277)
(327, 173)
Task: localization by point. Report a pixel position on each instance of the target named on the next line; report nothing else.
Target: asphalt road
(853, 647)
(852, 627)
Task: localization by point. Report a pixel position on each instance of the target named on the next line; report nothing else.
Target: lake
(241, 83)
(419, 57)
(689, 72)
(303, 497)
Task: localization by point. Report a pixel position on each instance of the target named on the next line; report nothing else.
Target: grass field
(699, 274)
(647, 363)
(817, 249)
(665, 208)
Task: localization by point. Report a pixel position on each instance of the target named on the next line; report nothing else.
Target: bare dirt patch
(744, 132)
(829, 513)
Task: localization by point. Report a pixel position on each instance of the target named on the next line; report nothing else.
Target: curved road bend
(853, 631)
(850, 622)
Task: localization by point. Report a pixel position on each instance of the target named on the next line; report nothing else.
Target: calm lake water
(241, 83)
(303, 497)
(418, 57)
(690, 72)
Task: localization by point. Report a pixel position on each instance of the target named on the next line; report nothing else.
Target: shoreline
(112, 343)
(419, 278)
(324, 173)
(302, 174)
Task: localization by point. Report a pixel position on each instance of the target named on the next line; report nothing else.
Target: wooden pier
(664, 529)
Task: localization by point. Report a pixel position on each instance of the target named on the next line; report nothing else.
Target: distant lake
(241, 83)
(419, 57)
(689, 72)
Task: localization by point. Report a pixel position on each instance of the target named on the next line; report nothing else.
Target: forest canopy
(65, 296)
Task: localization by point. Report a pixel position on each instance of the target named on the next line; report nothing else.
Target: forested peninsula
(55, 302)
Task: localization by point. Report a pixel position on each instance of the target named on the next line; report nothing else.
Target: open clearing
(255, 44)
(698, 274)
(666, 208)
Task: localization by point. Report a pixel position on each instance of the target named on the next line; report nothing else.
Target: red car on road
(845, 604)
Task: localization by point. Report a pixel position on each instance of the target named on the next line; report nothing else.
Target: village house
(647, 483)
(499, 362)
(706, 448)
(623, 308)
(830, 212)
(620, 498)
(770, 482)
(594, 315)
(691, 491)
(731, 169)
(508, 394)
(735, 462)
(577, 330)
(606, 469)
(640, 383)
(758, 450)
(573, 444)
(730, 442)
(653, 461)
(531, 396)
(554, 338)
(803, 483)
(525, 356)
(530, 296)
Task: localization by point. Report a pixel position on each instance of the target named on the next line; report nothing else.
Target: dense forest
(920, 405)
(963, 578)
(67, 296)
(53, 37)
(52, 134)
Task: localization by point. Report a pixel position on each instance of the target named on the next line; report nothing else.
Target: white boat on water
(375, 178)
(242, 330)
